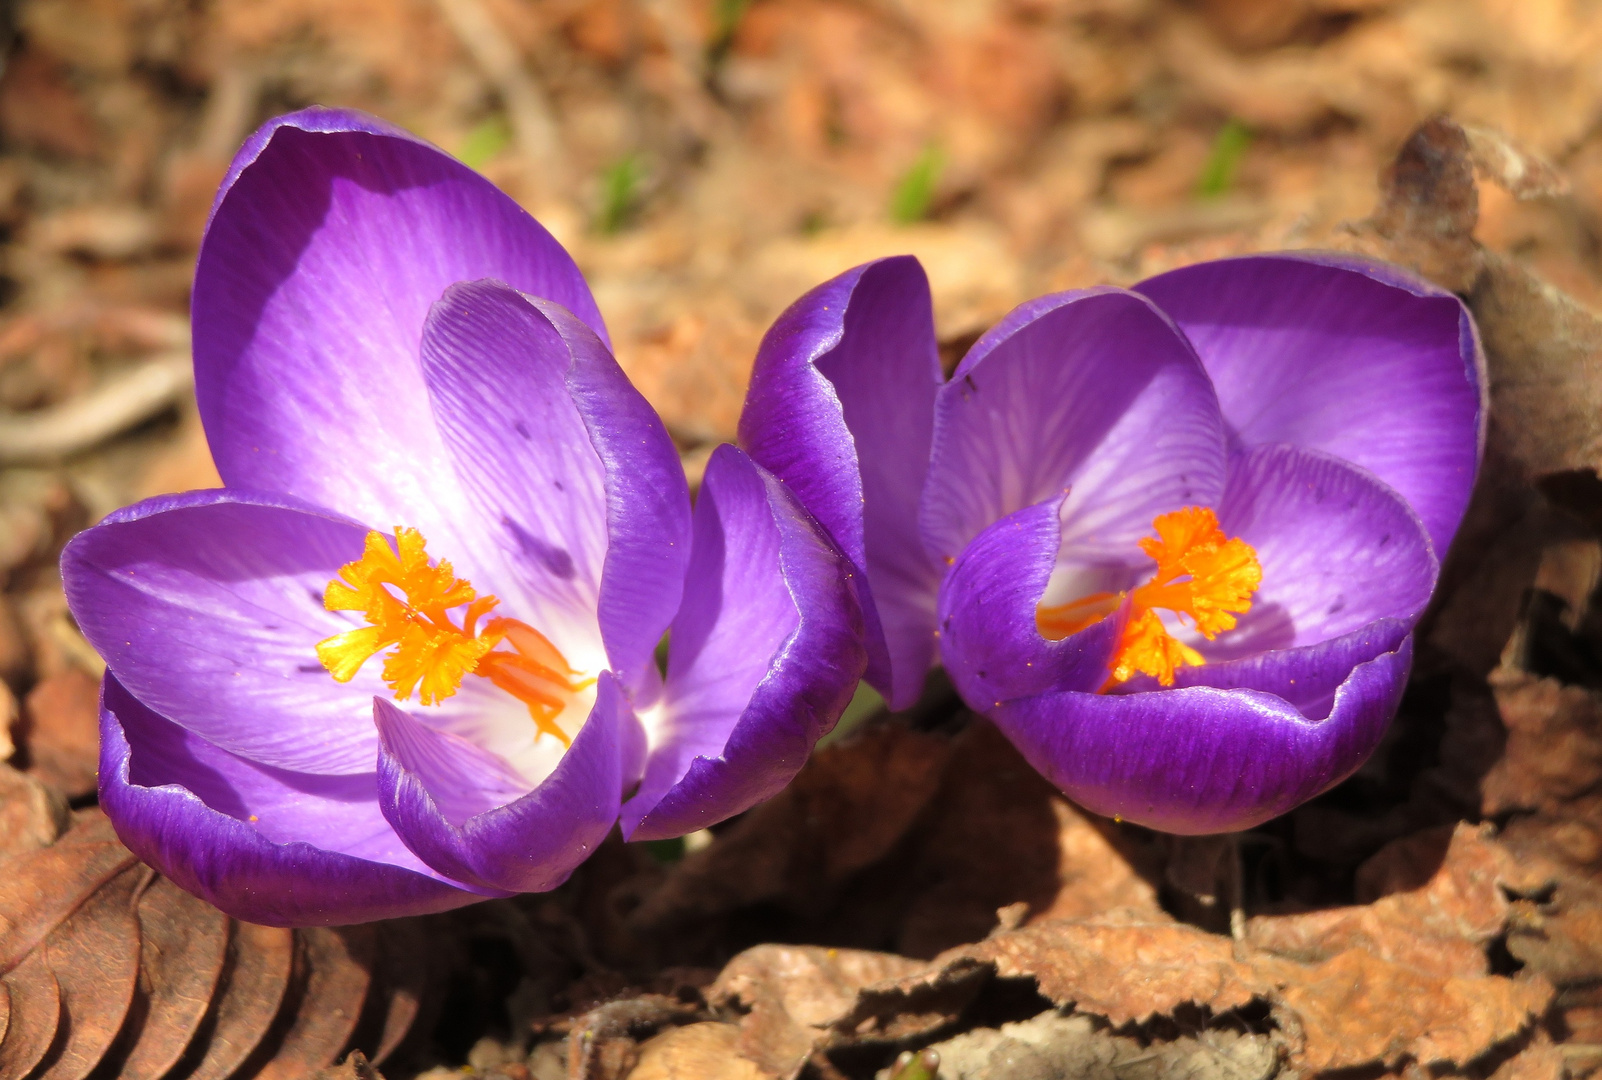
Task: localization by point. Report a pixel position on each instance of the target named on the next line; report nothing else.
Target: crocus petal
(528, 845)
(1347, 571)
(1338, 550)
(1203, 760)
(331, 238)
(1344, 355)
(989, 643)
(580, 501)
(318, 853)
(208, 606)
(764, 655)
(841, 409)
(1092, 393)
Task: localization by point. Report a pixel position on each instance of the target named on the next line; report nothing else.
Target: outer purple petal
(1203, 760)
(208, 607)
(1345, 355)
(529, 845)
(765, 655)
(331, 238)
(1095, 394)
(183, 806)
(988, 639)
(580, 502)
(841, 409)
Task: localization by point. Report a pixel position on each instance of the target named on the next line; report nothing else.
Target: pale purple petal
(1338, 550)
(1092, 394)
(497, 374)
(462, 777)
(208, 607)
(841, 409)
(989, 643)
(764, 655)
(318, 852)
(528, 845)
(330, 240)
(647, 504)
(1345, 355)
(1203, 760)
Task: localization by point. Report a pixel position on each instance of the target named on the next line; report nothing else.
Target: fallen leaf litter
(897, 909)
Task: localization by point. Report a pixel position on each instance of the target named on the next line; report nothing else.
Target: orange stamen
(1202, 575)
(407, 600)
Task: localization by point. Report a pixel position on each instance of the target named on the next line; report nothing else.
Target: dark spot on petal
(559, 486)
(522, 429)
(310, 669)
(1337, 607)
(555, 560)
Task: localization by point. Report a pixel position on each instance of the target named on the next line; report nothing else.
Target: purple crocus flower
(1172, 540)
(404, 660)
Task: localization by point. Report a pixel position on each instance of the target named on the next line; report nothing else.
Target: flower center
(1202, 575)
(408, 602)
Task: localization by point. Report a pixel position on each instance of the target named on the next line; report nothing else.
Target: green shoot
(1223, 160)
(620, 194)
(726, 16)
(492, 135)
(916, 189)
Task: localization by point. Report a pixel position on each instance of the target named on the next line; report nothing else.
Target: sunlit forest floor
(707, 161)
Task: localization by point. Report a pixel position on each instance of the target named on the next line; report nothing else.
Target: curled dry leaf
(1055, 1045)
(108, 968)
(791, 993)
(61, 729)
(707, 1051)
(1358, 1009)
(602, 1042)
(1543, 348)
(1441, 927)
(909, 841)
(32, 814)
(1554, 747)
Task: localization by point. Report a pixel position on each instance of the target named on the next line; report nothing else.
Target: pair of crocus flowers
(1172, 541)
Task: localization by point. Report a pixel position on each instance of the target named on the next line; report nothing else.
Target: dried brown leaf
(1542, 1059)
(354, 1067)
(845, 810)
(1564, 945)
(61, 729)
(1441, 927)
(183, 944)
(337, 965)
(32, 814)
(1053, 1045)
(1524, 175)
(94, 954)
(1554, 747)
(1358, 1009)
(1545, 353)
(1428, 206)
(35, 1013)
(253, 986)
(602, 1043)
(402, 976)
(707, 1051)
(43, 887)
(1124, 970)
(791, 993)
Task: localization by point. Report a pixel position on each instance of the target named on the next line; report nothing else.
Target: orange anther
(1202, 575)
(407, 602)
